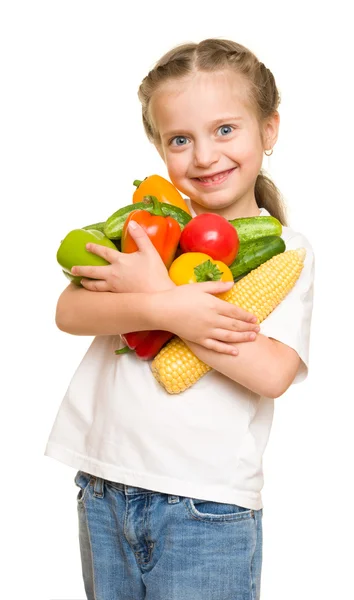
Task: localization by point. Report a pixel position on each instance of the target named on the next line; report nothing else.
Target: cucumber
(252, 228)
(113, 227)
(95, 226)
(253, 253)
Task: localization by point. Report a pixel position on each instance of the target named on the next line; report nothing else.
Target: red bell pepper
(146, 344)
(164, 232)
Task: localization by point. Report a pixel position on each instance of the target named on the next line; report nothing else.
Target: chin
(217, 203)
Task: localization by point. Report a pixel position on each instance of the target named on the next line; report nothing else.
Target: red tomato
(212, 234)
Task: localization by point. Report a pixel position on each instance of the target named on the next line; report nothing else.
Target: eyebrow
(221, 121)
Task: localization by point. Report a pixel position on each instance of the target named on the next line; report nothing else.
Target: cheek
(251, 154)
(177, 164)
(253, 160)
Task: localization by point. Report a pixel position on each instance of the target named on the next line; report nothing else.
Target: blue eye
(225, 129)
(179, 140)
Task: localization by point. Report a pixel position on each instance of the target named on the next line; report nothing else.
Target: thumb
(215, 287)
(140, 237)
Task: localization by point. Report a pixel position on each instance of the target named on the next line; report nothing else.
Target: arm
(270, 365)
(82, 312)
(125, 300)
(136, 294)
(266, 367)
(190, 311)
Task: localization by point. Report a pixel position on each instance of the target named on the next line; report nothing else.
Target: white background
(72, 143)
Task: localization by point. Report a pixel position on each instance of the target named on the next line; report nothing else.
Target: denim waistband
(128, 490)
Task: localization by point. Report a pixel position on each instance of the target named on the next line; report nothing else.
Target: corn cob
(176, 368)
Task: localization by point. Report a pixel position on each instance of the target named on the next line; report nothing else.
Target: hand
(141, 271)
(193, 313)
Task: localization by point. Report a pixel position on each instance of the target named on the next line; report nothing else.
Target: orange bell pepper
(164, 190)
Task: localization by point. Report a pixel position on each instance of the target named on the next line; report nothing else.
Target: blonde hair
(215, 55)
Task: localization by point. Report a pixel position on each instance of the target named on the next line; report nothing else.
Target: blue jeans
(138, 544)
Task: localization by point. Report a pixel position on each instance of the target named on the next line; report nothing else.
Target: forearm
(82, 312)
(264, 366)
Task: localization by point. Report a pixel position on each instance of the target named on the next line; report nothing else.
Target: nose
(205, 154)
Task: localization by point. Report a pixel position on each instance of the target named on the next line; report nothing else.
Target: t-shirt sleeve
(290, 321)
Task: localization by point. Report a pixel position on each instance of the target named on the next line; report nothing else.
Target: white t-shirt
(118, 423)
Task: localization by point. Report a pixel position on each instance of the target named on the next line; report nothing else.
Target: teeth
(215, 178)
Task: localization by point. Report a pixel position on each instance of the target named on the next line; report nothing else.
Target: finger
(237, 325)
(108, 254)
(215, 287)
(217, 346)
(226, 308)
(236, 312)
(95, 285)
(92, 272)
(140, 237)
(234, 337)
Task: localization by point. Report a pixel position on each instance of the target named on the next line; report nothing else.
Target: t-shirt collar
(263, 211)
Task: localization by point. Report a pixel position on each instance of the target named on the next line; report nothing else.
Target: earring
(270, 152)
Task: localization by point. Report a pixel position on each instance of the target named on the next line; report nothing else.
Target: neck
(242, 208)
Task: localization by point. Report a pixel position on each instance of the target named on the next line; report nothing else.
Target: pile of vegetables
(206, 248)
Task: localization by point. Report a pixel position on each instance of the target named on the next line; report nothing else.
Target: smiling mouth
(216, 177)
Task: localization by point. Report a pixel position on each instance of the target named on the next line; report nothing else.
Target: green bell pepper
(72, 251)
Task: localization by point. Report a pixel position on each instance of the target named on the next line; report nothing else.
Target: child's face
(208, 128)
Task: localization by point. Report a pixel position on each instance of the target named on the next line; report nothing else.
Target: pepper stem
(137, 182)
(156, 210)
(123, 350)
(207, 271)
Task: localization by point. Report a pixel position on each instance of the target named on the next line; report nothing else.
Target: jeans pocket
(206, 510)
(83, 481)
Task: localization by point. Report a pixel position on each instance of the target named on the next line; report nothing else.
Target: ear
(271, 130)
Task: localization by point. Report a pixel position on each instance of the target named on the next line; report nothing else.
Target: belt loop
(98, 490)
(173, 499)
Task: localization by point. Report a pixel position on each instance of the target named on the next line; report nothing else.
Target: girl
(170, 503)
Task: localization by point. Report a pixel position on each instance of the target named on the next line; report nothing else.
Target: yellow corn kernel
(265, 287)
(176, 368)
